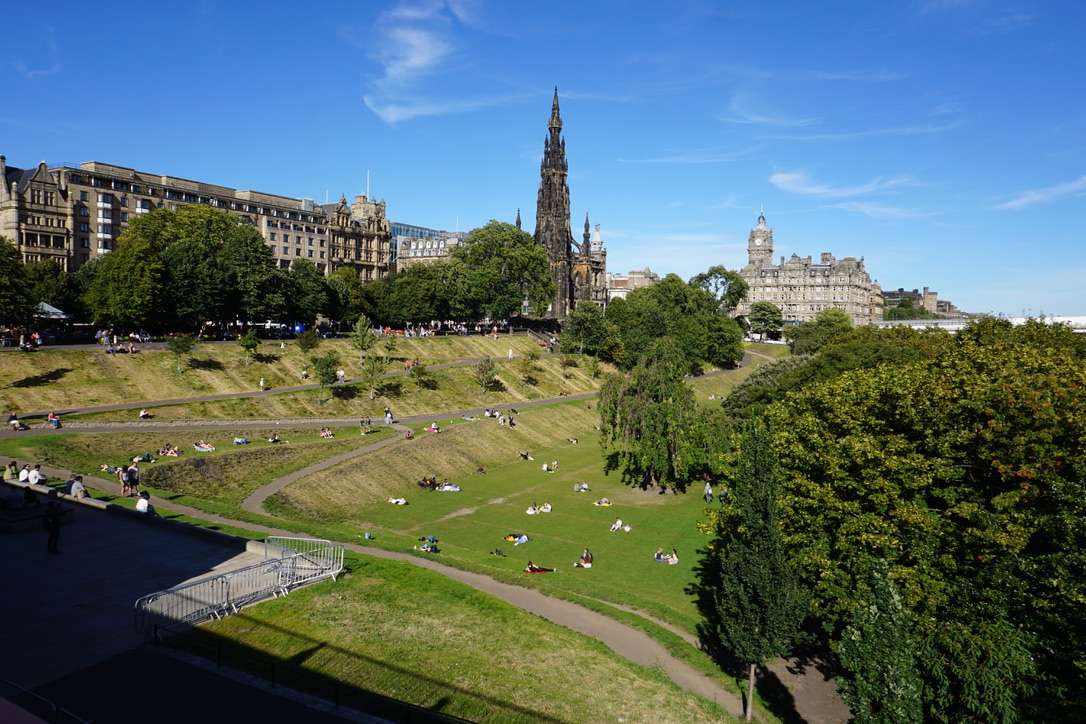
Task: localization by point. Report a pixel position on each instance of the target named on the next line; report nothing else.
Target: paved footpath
(624, 640)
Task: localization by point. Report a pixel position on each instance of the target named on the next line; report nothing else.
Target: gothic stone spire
(518, 218)
(552, 213)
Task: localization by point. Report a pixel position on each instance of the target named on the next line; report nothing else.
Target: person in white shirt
(36, 477)
(24, 474)
(143, 504)
(78, 491)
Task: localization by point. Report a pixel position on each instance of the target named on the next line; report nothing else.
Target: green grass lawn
(419, 637)
(351, 500)
(455, 389)
(59, 378)
(772, 350)
(216, 481)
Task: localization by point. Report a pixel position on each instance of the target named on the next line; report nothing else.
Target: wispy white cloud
(52, 68)
(1045, 195)
(881, 211)
(745, 110)
(797, 182)
(417, 42)
(920, 130)
(695, 156)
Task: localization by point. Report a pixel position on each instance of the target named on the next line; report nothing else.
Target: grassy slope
(222, 478)
(456, 389)
(66, 378)
(419, 637)
(471, 524)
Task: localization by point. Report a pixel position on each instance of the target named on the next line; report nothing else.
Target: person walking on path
(263, 384)
(52, 525)
(388, 416)
(708, 492)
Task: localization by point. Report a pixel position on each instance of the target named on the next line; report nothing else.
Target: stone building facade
(579, 274)
(802, 287)
(74, 213)
(619, 286)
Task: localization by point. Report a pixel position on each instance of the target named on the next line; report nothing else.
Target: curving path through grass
(624, 640)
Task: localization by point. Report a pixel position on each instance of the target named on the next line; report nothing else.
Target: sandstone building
(802, 288)
(72, 214)
(619, 286)
(579, 274)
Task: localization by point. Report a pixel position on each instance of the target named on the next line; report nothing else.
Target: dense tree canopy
(765, 318)
(687, 313)
(965, 472)
(502, 266)
(727, 287)
(16, 305)
(810, 336)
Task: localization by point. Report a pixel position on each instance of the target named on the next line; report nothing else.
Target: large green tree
(589, 332)
(811, 336)
(687, 313)
(765, 318)
(16, 305)
(650, 425)
(309, 293)
(503, 267)
(363, 338)
(966, 472)
(127, 287)
(748, 589)
(881, 682)
(726, 286)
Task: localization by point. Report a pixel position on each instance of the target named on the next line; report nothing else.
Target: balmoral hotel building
(75, 213)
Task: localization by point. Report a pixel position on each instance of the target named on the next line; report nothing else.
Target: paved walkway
(65, 612)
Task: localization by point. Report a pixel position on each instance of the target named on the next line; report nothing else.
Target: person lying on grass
(580, 488)
(433, 427)
(619, 525)
(533, 568)
(274, 439)
(516, 539)
(241, 441)
(203, 446)
(672, 558)
(429, 544)
(525, 455)
(602, 503)
(572, 440)
(398, 501)
(168, 450)
(550, 467)
(585, 561)
(327, 433)
(447, 487)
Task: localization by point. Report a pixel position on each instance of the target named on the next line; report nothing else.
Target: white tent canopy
(48, 311)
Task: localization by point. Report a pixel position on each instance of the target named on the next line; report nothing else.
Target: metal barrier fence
(288, 563)
(38, 705)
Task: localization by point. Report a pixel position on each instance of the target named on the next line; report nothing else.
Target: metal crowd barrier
(288, 563)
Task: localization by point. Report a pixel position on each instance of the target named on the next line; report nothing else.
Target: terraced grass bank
(452, 389)
(62, 378)
(414, 635)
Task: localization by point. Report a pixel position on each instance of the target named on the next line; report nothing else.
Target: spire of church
(587, 231)
(518, 218)
(556, 116)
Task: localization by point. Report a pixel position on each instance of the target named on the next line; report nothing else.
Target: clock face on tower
(757, 241)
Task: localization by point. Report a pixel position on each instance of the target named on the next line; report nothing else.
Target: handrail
(296, 562)
(53, 706)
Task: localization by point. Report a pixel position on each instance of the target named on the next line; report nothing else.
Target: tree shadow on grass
(212, 365)
(264, 358)
(346, 392)
(391, 389)
(43, 379)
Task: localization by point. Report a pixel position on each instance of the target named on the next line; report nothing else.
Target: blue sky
(942, 140)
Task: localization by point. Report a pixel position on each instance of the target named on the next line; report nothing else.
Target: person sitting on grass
(498, 552)
(617, 525)
(274, 439)
(673, 558)
(327, 434)
(433, 427)
(533, 509)
(143, 504)
(398, 501)
(480, 470)
(533, 568)
(168, 451)
(409, 435)
(660, 556)
(525, 455)
(13, 422)
(365, 425)
(241, 441)
(550, 467)
(580, 488)
(429, 545)
(545, 508)
(53, 419)
(602, 503)
(77, 490)
(203, 446)
(585, 561)
(144, 414)
(572, 440)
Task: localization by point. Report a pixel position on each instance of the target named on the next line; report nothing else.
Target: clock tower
(760, 244)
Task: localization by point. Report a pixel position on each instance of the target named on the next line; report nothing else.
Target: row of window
(34, 220)
(40, 196)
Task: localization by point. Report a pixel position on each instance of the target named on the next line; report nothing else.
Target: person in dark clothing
(52, 525)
